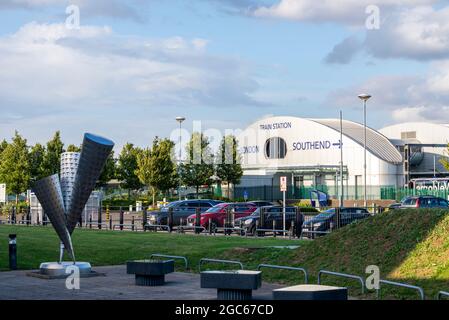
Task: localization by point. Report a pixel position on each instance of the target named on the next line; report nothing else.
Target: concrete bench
(150, 272)
(232, 285)
(311, 292)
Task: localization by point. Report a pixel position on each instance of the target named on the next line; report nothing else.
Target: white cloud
(420, 33)
(343, 11)
(129, 9)
(49, 65)
(421, 97)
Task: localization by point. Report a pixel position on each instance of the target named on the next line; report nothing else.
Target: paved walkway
(114, 286)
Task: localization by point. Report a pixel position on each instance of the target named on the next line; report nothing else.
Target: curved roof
(376, 143)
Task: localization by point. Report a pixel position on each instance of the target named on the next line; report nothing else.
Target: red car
(217, 214)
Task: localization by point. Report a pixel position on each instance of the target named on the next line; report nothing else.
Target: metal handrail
(400, 284)
(219, 261)
(343, 275)
(158, 255)
(272, 266)
(442, 293)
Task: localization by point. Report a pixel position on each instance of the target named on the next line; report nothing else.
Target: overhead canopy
(376, 143)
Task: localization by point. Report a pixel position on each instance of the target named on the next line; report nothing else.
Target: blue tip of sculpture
(98, 139)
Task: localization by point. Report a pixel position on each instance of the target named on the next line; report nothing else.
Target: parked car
(181, 210)
(217, 214)
(324, 222)
(262, 203)
(273, 213)
(424, 202)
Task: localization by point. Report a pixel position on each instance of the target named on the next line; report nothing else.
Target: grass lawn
(38, 244)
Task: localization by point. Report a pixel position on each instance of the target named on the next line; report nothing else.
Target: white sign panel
(283, 184)
(2, 192)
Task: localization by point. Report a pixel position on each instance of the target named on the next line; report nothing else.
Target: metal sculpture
(94, 153)
(48, 191)
(64, 205)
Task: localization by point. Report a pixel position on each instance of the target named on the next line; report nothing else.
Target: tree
(228, 159)
(36, 161)
(164, 169)
(15, 166)
(51, 163)
(156, 168)
(199, 167)
(126, 168)
(144, 170)
(3, 145)
(109, 171)
(73, 148)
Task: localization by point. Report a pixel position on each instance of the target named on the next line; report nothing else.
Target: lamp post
(180, 120)
(365, 98)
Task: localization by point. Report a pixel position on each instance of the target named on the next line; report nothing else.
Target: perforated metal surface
(48, 191)
(69, 166)
(94, 153)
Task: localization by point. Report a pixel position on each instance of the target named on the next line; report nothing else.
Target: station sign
(283, 184)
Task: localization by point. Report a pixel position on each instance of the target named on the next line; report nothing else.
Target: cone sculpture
(94, 153)
(48, 191)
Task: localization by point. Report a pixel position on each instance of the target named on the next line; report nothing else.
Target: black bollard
(170, 221)
(122, 218)
(28, 215)
(132, 223)
(12, 252)
(100, 221)
(197, 220)
(144, 219)
(299, 220)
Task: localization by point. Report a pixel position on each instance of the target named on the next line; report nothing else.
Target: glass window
(275, 148)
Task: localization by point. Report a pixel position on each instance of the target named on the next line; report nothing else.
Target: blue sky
(134, 65)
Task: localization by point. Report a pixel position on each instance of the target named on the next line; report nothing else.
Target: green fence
(273, 193)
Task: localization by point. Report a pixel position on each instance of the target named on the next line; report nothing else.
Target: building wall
(301, 137)
(426, 133)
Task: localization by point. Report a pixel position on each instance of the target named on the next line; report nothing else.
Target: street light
(180, 120)
(365, 98)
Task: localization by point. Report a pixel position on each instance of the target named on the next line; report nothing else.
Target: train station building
(309, 153)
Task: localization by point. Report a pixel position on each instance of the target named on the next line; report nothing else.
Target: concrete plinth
(150, 272)
(311, 292)
(232, 285)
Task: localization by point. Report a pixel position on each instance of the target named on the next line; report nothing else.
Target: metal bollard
(12, 252)
(197, 220)
(90, 222)
(299, 220)
(144, 219)
(132, 223)
(170, 222)
(99, 218)
(122, 218)
(28, 215)
(110, 223)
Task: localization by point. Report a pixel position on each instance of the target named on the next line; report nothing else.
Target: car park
(424, 202)
(217, 214)
(325, 221)
(273, 213)
(181, 210)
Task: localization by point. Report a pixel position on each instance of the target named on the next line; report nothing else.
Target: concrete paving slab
(115, 285)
